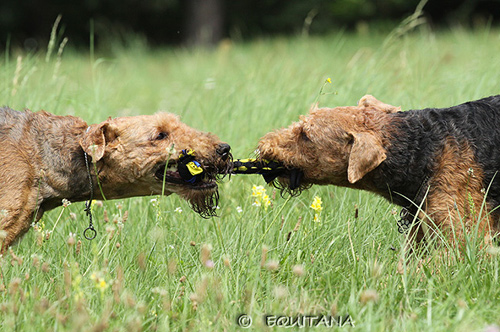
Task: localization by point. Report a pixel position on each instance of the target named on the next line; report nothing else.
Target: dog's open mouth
(178, 173)
(197, 182)
(191, 173)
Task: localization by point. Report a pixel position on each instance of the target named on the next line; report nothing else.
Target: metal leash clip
(405, 222)
(92, 235)
(88, 206)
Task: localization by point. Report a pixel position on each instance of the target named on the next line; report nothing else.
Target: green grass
(145, 271)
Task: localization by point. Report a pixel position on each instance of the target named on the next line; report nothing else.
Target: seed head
(71, 240)
(369, 295)
(205, 253)
(272, 265)
(298, 270)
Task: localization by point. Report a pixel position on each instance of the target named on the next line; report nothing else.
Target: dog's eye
(161, 136)
(350, 139)
(304, 137)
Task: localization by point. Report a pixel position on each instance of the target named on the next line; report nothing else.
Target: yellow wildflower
(261, 197)
(316, 204)
(102, 285)
(329, 80)
(266, 201)
(100, 282)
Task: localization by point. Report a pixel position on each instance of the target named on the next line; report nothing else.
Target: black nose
(223, 150)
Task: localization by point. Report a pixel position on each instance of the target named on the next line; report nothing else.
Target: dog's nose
(223, 150)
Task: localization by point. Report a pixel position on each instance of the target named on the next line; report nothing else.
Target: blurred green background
(26, 24)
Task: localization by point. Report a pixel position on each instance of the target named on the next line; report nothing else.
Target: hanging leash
(89, 233)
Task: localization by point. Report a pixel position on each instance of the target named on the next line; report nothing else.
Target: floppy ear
(95, 139)
(314, 107)
(369, 100)
(366, 154)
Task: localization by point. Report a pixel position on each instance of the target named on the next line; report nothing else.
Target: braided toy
(269, 169)
(189, 169)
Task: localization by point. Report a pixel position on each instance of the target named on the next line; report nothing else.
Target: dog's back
(7, 115)
(9, 120)
(423, 134)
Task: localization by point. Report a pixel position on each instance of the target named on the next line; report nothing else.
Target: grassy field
(156, 265)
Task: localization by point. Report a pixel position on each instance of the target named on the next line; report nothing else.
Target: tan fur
(456, 195)
(366, 154)
(42, 162)
(370, 101)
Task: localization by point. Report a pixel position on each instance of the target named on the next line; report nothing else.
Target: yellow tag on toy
(193, 168)
(186, 153)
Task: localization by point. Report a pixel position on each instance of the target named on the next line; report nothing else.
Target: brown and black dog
(43, 161)
(442, 160)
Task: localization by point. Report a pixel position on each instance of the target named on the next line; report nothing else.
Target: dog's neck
(62, 172)
(73, 181)
(408, 167)
(75, 187)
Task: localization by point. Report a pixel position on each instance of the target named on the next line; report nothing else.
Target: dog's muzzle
(189, 171)
(223, 151)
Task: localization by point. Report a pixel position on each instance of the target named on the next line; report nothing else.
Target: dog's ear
(366, 154)
(96, 137)
(370, 101)
(314, 107)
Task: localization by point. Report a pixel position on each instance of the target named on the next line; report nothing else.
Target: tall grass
(155, 265)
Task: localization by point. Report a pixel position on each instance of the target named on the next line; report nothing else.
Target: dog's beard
(203, 201)
(289, 181)
(283, 185)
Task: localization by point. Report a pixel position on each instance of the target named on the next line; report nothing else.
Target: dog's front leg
(14, 223)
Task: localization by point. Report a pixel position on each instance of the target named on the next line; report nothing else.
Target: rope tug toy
(189, 169)
(269, 169)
